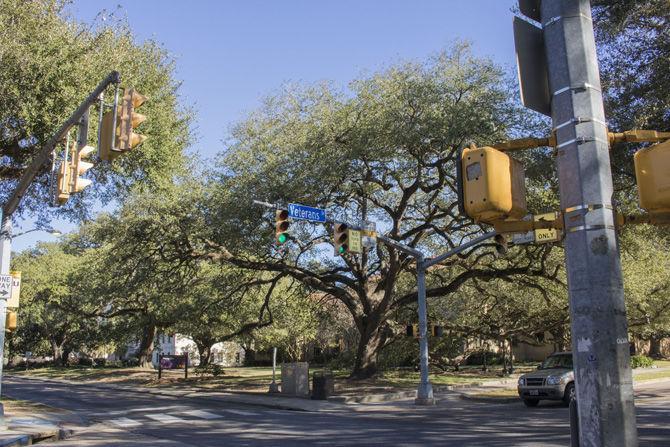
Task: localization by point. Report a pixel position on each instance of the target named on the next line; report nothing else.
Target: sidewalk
(27, 424)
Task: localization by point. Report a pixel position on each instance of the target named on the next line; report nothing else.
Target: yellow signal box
(652, 172)
(63, 183)
(79, 167)
(126, 121)
(10, 321)
(491, 185)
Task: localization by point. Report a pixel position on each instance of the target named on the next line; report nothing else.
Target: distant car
(553, 380)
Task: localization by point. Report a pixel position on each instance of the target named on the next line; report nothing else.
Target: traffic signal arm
(523, 226)
(638, 136)
(629, 136)
(525, 143)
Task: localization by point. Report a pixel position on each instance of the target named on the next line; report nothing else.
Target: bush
(131, 362)
(212, 369)
(477, 358)
(99, 362)
(641, 361)
(85, 361)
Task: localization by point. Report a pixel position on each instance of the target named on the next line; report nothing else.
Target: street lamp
(49, 230)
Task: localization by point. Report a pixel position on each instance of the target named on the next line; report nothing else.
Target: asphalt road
(114, 418)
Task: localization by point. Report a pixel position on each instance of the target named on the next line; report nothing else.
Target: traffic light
(63, 183)
(10, 321)
(79, 167)
(501, 244)
(281, 226)
(412, 330)
(652, 172)
(490, 185)
(436, 330)
(126, 121)
(341, 238)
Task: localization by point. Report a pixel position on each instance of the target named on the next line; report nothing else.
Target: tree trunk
(57, 351)
(205, 353)
(146, 345)
(655, 346)
(65, 356)
(369, 345)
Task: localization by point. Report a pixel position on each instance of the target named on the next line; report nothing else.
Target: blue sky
(230, 54)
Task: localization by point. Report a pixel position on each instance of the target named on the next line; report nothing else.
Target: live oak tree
(49, 63)
(383, 150)
(48, 293)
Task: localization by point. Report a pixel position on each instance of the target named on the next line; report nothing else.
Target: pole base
(424, 401)
(424, 395)
(274, 388)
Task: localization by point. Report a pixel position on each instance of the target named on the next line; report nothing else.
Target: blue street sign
(302, 212)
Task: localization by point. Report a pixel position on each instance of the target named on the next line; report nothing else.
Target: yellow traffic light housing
(113, 142)
(63, 183)
(79, 167)
(11, 321)
(490, 185)
(281, 226)
(341, 238)
(652, 172)
(412, 330)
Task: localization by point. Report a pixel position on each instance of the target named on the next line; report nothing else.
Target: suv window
(557, 361)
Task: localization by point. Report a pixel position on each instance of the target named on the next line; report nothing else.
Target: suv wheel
(531, 402)
(570, 394)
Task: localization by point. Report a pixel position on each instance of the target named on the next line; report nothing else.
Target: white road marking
(164, 418)
(202, 414)
(125, 422)
(242, 412)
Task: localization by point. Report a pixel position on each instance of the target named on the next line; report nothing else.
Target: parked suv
(553, 380)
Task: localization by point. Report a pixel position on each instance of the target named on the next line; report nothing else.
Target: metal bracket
(576, 88)
(588, 208)
(580, 120)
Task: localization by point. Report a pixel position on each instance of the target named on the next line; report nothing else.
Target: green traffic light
(341, 250)
(282, 238)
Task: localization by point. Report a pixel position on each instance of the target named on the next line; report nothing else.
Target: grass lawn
(651, 375)
(17, 407)
(662, 363)
(498, 392)
(259, 378)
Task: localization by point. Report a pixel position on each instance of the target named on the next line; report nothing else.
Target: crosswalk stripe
(202, 414)
(165, 418)
(242, 412)
(125, 422)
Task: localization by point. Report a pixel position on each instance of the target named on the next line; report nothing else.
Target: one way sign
(5, 286)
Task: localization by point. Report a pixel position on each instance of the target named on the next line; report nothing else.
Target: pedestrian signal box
(490, 185)
(10, 321)
(652, 172)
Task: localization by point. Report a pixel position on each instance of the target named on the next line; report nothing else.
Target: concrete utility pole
(79, 117)
(600, 346)
(5, 252)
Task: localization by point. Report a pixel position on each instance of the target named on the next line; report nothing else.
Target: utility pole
(600, 346)
(79, 117)
(5, 252)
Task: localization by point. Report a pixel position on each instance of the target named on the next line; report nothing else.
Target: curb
(494, 400)
(34, 438)
(373, 398)
(238, 398)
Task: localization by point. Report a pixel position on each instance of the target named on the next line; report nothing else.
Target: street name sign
(16, 290)
(5, 286)
(302, 212)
